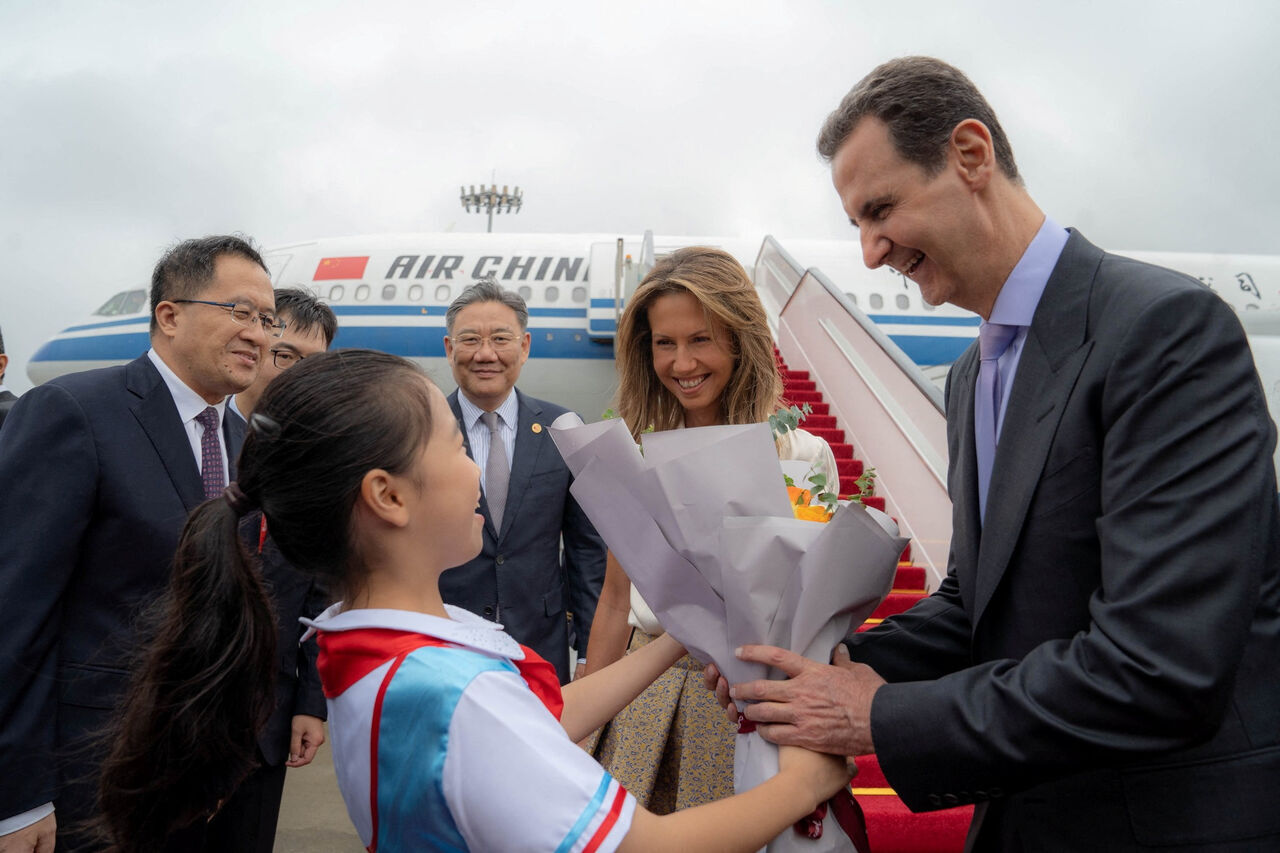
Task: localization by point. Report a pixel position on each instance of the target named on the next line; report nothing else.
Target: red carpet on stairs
(891, 826)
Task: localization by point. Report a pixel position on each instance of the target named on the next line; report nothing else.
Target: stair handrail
(900, 358)
(890, 411)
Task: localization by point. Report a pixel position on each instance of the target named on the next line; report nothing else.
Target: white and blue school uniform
(440, 742)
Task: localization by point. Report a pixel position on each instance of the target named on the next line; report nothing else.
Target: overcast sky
(1149, 124)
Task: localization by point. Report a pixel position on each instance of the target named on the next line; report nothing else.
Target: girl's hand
(825, 774)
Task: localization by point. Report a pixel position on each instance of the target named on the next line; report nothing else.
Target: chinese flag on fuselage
(334, 268)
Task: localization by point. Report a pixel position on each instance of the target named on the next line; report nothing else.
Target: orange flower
(811, 512)
(799, 496)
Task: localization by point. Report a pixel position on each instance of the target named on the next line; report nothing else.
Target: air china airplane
(390, 292)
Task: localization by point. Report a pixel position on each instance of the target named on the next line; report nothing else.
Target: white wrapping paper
(703, 525)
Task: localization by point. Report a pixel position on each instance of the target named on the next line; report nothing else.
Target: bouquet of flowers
(702, 521)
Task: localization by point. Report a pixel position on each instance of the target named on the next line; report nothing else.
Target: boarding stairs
(891, 826)
(871, 404)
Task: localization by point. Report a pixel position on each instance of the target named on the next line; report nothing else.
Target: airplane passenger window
(579, 294)
(415, 293)
(853, 297)
(550, 336)
(388, 292)
(362, 293)
(553, 293)
(442, 293)
(877, 302)
(525, 292)
(902, 301)
(135, 301)
(336, 292)
(926, 306)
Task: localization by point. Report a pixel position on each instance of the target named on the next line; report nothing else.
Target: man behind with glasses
(100, 470)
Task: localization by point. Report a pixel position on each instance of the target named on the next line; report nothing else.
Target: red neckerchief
(347, 656)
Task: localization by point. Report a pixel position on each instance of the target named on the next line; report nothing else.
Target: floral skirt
(672, 747)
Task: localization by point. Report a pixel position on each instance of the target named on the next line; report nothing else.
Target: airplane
(390, 292)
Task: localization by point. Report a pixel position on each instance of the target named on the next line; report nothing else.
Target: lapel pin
(537, 428)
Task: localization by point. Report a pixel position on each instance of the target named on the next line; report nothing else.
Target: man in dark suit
(1098, 670)
(295, 730)
(100, 470)
(518, 579)
(7, 397)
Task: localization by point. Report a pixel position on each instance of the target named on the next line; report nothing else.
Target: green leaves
(785, 420)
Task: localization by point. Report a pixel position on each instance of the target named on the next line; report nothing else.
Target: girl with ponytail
(447, 735)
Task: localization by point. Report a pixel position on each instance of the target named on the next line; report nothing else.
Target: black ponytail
(202, 691)
(188, 727)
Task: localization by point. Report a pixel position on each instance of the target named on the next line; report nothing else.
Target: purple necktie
(993, 340)
(211, 454)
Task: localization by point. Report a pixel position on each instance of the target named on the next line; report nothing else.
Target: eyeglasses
(285, 358)
(244, 314)
(499, 342)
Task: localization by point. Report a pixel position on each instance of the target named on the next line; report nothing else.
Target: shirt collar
(462, 628)
(189, 403)
(509, 411)
(1016, 303)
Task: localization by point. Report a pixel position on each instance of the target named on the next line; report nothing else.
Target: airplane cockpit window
(902, 301)
(579, 294)
(336, 292)
(362, 293)
(877, 302)
(113, 306)
(442, 293)
(525, 292)
(388, 292)
(552, 292)
(135, 301)
(415, 293)
(853, 297)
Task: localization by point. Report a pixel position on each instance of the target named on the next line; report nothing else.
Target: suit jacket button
(981, 795)
(935, 800)
(499, 559)
(488, 611)
(951, 799)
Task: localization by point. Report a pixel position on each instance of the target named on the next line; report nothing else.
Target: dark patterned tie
(211, 454)
(497, 471)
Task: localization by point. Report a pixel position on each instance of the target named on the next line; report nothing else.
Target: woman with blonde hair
(693, 349)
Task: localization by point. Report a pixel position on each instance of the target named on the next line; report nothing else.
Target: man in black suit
(295, 730)
(1098, 670)
(518, 579)
(100, 470)
(7, 397)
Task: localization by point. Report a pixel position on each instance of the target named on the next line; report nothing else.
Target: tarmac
(313, 818)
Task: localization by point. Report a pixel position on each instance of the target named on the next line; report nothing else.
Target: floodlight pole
(490, 200)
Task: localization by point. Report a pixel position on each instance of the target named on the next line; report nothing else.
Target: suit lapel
(158, 417)
(528, 448)
(233, 428)
(1052, 357)
(966, 529)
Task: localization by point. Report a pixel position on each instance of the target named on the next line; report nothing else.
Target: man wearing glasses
(309, 328)
(518, 579)
(100, 470)
(295, 730)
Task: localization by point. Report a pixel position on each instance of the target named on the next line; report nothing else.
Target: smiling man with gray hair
(519, 578)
